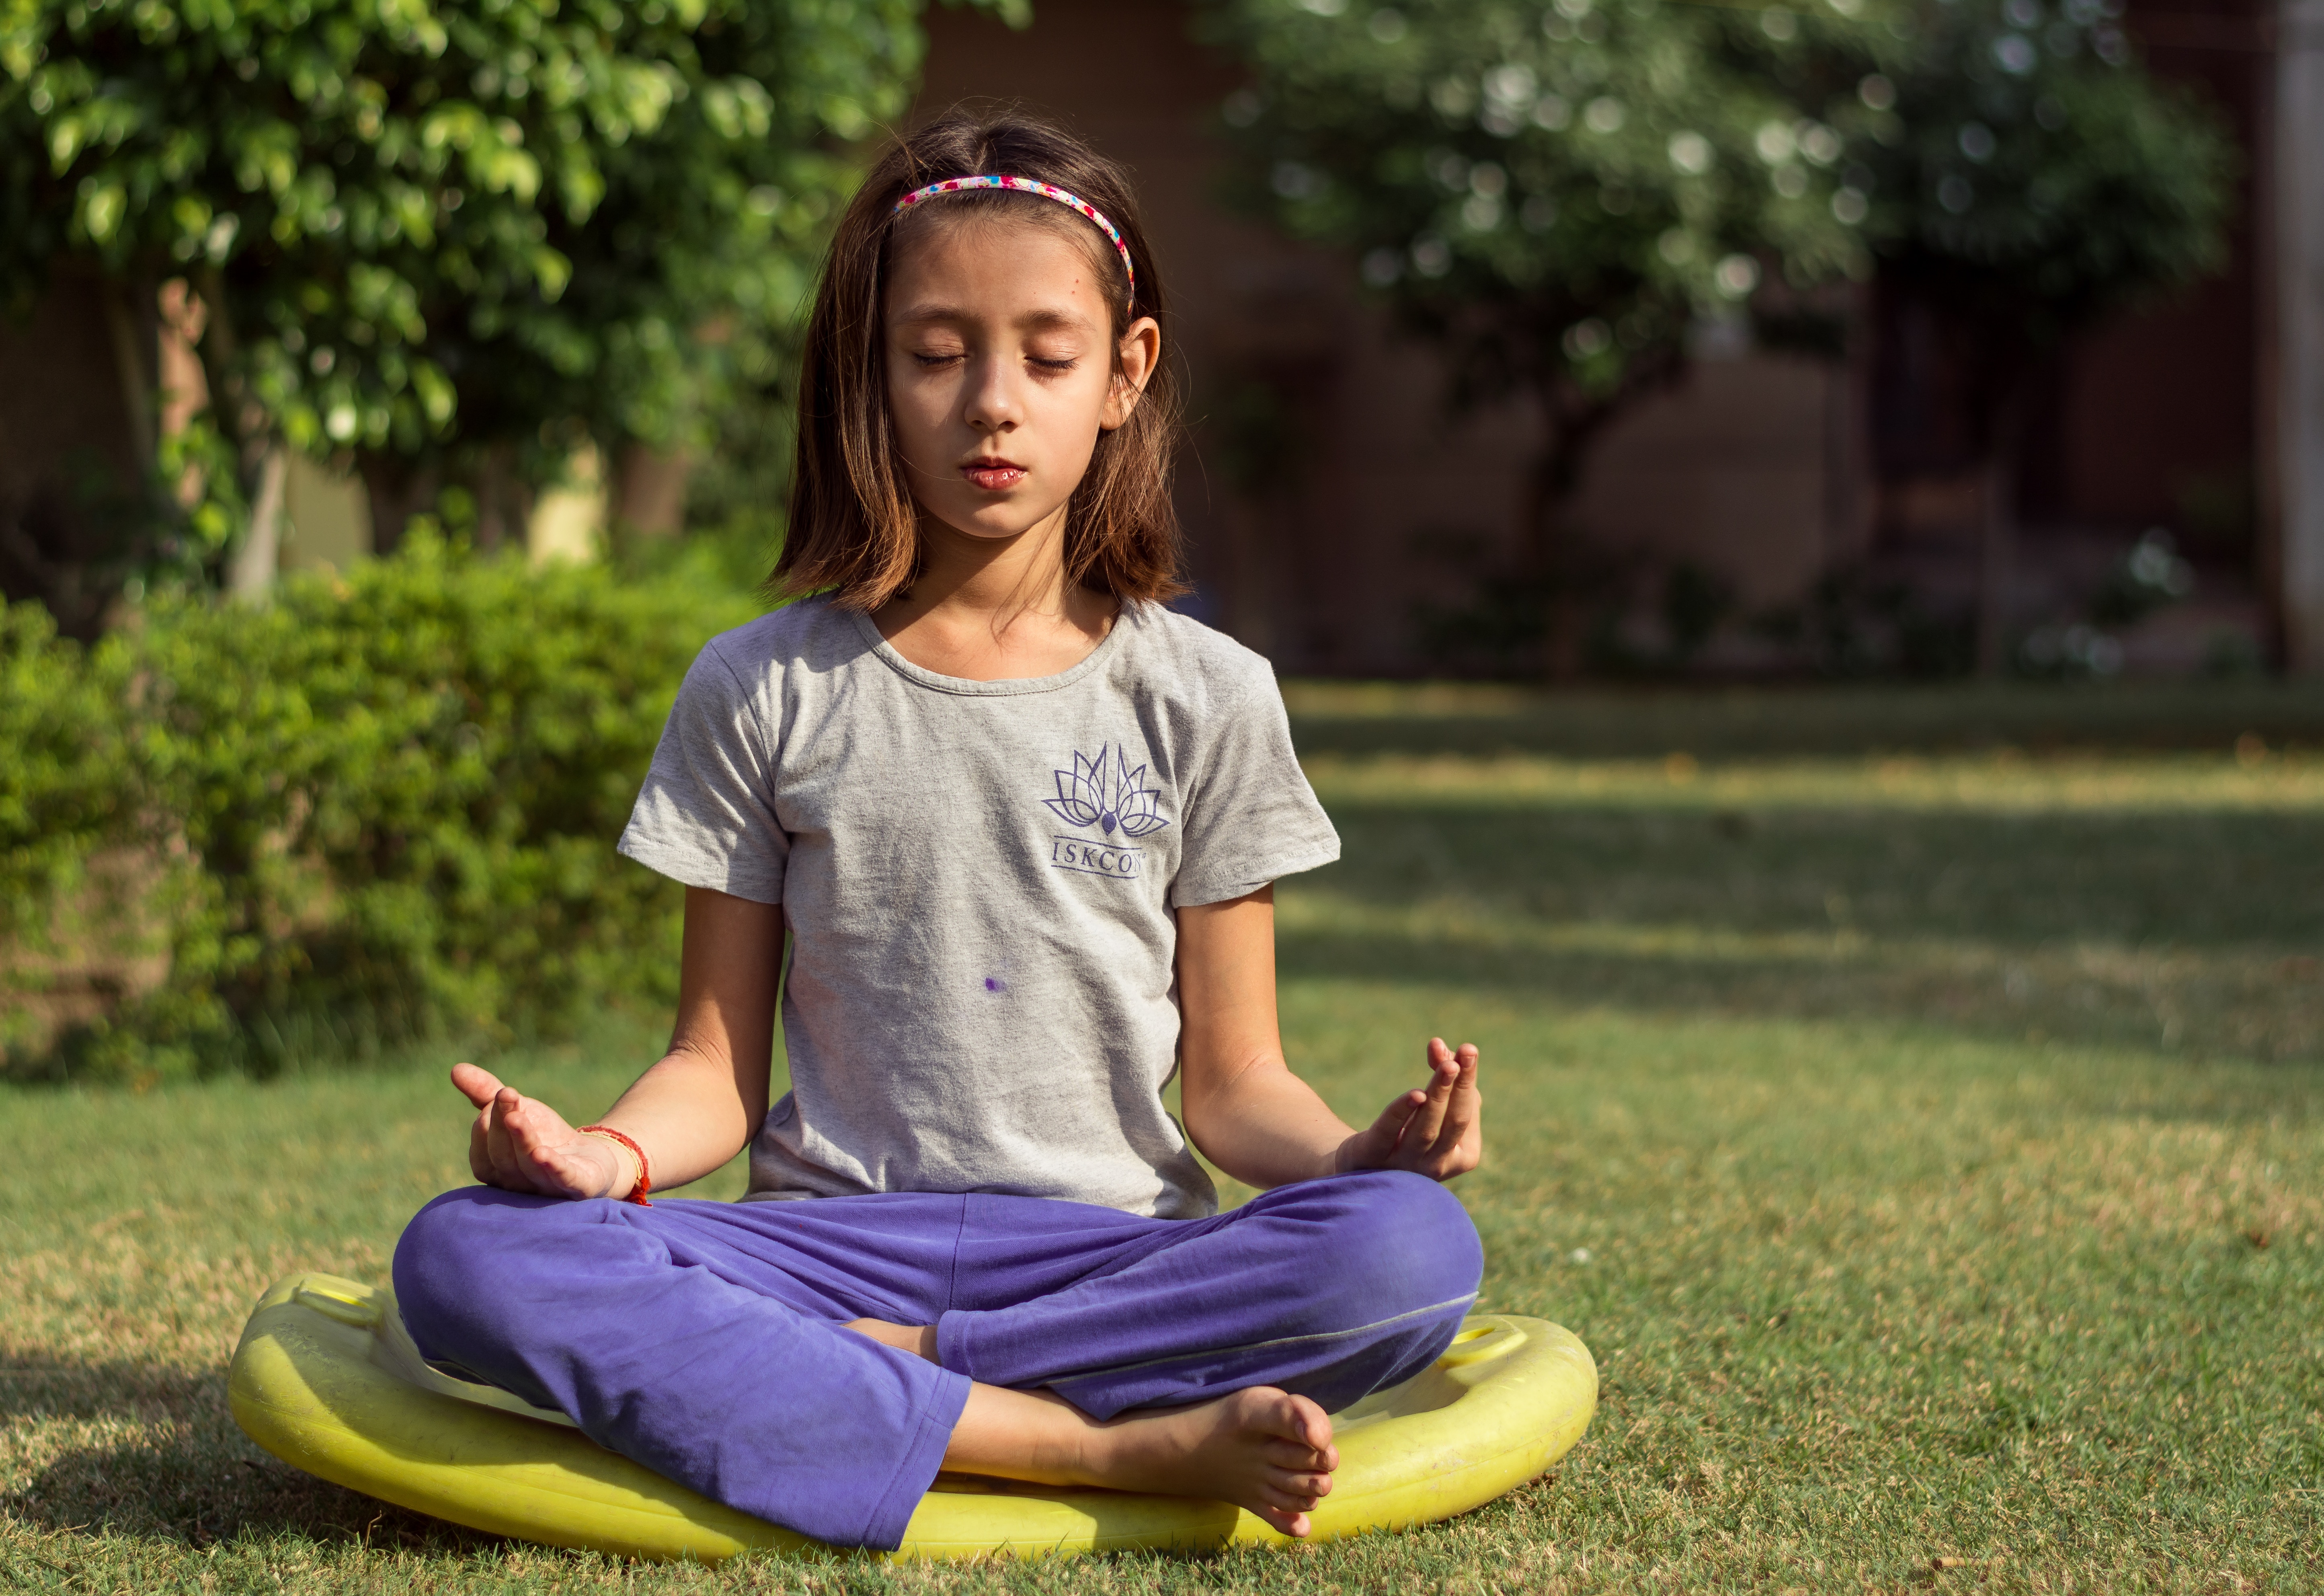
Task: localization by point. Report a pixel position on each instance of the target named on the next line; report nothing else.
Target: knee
(1398, 1242)
(449, 1257)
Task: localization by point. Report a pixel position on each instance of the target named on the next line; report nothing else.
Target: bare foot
(1260, 1449)
(920, 1340)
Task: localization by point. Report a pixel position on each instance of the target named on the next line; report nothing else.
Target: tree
(1553, 194)
(441, 238)
(2026, 179)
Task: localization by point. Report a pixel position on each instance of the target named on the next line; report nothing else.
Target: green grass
(1931, 1148)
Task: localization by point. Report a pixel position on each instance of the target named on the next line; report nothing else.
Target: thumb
(479, 1087)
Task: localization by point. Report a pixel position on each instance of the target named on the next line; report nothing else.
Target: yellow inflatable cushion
(327, 1379)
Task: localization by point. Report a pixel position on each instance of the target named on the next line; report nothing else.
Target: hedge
(382, 807)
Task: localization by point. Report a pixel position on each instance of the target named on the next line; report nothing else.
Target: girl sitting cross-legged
(1014, 826)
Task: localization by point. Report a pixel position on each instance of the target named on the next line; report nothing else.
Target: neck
(1000, 579)
(991, 607)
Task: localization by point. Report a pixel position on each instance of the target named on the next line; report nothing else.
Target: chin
(994, 525)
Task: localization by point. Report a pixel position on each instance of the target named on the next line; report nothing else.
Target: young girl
(1016, 826)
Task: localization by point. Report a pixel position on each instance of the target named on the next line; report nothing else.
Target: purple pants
(702, 1339)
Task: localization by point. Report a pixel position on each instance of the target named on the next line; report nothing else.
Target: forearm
(1266, 1126)
(704, 1102)
(689, 1115)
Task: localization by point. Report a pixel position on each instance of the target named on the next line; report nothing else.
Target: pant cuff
(923, 1457)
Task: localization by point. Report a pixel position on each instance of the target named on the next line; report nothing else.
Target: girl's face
(1002, 371)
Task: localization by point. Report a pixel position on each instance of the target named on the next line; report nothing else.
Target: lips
(993, 476)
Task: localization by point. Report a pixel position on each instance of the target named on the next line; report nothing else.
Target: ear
(1139, 353)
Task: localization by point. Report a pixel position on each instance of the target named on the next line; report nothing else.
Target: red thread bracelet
(645, 1170)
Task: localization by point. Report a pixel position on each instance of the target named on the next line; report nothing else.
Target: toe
(1314, 1426)
(1296, 1454)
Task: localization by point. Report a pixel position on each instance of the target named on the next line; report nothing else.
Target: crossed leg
(1017, 1337)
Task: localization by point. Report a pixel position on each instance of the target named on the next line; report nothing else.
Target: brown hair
(853, 527)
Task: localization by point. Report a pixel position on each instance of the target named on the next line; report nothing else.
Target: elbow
(1212, 1102)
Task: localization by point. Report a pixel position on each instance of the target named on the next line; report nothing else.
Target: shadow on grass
(36, 1384)
(191, 1495)
(199, 1479)
(2165, 1013)
(2187, 879)
(1355, 718)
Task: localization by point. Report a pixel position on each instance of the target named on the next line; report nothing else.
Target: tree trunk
(1571, 422)
(397, 492)
(649, 490)
(131, 319)
(252, 574)
(503, 502)
(1996, 542)
(1549, 489)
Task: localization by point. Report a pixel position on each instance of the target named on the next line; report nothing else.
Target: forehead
(1001, 263)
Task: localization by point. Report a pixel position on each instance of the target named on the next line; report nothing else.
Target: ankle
(1093, 1452)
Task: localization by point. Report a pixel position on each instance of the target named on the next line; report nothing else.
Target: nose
(991, 403)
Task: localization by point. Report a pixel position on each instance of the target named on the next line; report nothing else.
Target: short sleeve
(705, 816)
(1251, 817)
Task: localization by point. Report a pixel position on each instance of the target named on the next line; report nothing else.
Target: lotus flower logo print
(1113, 807)
(1116, 799)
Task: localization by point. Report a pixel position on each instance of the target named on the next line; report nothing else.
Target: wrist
(633, 1175)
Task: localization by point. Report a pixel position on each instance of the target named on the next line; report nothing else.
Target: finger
(1420, 1134)
(508, 1168)
(1390, 1126)
(537, 1136)
(1463, 1103)
(538, 1131)
(478, 1086)
(480, 1155)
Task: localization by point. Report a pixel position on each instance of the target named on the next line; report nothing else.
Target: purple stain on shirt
(994, 983)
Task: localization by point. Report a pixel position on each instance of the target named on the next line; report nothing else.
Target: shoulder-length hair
(854, 529)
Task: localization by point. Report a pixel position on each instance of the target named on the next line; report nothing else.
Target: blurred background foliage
(1566, 202)
(446, 242)
(380, 808)
(2026, 179)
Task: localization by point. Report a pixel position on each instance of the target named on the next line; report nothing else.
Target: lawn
(1927, 1137)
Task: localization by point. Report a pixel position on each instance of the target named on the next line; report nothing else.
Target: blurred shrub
(65, 781)
(382, 806)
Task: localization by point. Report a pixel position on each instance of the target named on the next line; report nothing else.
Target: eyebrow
(1034, 320)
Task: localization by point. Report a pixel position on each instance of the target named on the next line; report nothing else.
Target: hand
(521, 1144)
(1436, 1131)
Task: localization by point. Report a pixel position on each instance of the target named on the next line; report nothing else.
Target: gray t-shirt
(979, 881)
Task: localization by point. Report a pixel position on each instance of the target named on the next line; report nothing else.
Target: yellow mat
(327, 1379)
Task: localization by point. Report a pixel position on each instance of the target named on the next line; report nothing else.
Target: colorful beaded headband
(1032, 186)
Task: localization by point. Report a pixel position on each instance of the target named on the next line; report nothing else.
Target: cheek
(1077, 407)
(919, 402)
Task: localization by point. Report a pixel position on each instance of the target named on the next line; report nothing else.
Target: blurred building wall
(327, 519)
(2297, 434)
